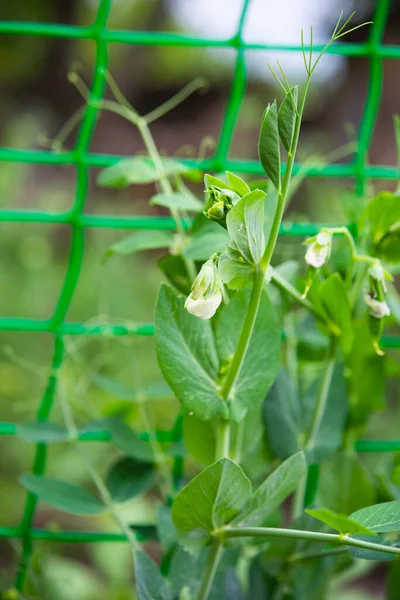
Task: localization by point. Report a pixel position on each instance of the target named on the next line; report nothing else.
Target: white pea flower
(319, 250)
(378, 273)
(206, 294)
(377, 308)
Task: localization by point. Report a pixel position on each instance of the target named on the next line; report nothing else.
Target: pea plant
(283, 507)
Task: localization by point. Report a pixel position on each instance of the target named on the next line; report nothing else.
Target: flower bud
(206, 294)
(376, 272)
(219, 203)
(377, 308)
(319, 249)
(378, 276)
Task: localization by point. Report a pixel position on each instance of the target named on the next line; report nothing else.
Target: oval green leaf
(382, 517)
(138, 170)
(140, 241)
(287, 117)
(64, 496)
(150, 584)
(128, 478)
(269, 145)
(177, 201)
(337, 521)
(129, 442)
(187, 355)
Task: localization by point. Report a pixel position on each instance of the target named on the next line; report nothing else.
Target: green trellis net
(358, 169)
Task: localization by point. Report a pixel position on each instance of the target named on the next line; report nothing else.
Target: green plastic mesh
(358, 170)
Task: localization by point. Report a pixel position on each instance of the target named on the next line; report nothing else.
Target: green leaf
(367, 376)
(186, 570)
(62, 495)
(245, 224)
(344, 484)
(211, 180)
(268, 145)
(261, 584)
(237, 184)
(275, 489)
(142, 240)
(381, 215)
(287, 118)
(165, 528)
(42, 432)
(138, 170)
(128, 478)
(177, 201)
(262, 360)
(234, 272)
(389, 247)
(382, 517)
(339, 522)
(150, 584)
(187, 355)
(204, 245)
(311, 579)
(129, 442)
(335, 301)
(283, 417)
(199, 438)
(288, 417)
(212, 499)
(174, 269)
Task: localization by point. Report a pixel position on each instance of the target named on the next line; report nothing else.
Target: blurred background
(36, 100)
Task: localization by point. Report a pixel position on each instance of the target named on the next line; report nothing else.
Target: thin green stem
(316, 536)
(237, 451)
(165, 184)
(223, 439)
(285, 286)
(238, 358)
(245, 335)
(166, 484)
(197, 84)
(148, 140)
(322, 397)
(211, 568)
(283, 191)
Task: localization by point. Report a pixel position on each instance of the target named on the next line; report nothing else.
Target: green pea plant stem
(317, 536)
(258, 284)
(125, 110)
